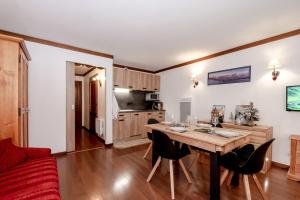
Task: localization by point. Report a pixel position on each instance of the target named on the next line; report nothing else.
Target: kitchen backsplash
(134, 100)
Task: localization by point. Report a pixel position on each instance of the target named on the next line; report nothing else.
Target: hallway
(85, 140)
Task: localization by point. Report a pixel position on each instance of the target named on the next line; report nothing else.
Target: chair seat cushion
(34, 179)
(10, 155)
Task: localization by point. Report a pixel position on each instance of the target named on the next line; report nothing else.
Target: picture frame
(228, 76)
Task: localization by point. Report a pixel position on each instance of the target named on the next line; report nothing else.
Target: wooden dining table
(215, 144)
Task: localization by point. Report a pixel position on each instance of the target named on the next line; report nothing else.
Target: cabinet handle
(116, 85)
(136, 114)
(121, 120)
(144, 88)
(121, 115)
(130, 86)
(149, 113)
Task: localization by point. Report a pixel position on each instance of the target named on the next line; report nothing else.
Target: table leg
(214, 176)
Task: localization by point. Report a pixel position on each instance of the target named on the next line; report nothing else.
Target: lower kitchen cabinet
(121, 126)
(133, 124)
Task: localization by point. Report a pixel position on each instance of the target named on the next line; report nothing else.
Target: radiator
(100, 129)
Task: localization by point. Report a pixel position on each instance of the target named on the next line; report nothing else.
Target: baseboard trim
(280, 165)
(58, 154)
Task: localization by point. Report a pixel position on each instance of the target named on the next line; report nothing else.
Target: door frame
(70, 105)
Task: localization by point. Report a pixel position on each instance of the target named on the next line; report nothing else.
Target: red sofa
(35, 178)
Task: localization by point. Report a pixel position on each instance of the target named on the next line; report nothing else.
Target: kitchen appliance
(157, 105)
(152, 97)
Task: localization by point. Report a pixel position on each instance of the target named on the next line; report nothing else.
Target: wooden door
(23, 99)
(134, 124)
(78, 103)
(119, 77)
(93, 104)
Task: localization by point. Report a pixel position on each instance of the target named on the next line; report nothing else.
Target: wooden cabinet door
(132, 79)
(119, 77)
(121, 126)
(161, 116)
(155, 82)
(143, 120)
(148, 82)
(134, 124)
(142, 81)
(9, 90)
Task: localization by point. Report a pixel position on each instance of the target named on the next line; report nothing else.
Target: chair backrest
(152, 121)
(256, 160)
(163, 145)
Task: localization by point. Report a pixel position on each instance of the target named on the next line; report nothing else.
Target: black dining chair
(246, 161)
(150, 121)
(164, 147)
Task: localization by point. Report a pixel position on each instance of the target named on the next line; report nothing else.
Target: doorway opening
(86, 118)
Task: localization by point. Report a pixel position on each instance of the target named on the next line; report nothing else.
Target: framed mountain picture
(235, 75)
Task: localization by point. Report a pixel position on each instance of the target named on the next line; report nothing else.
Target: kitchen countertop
(128, 111)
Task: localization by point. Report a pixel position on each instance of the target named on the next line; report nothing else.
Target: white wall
(268, 96)
(81, 78)
(47, 94)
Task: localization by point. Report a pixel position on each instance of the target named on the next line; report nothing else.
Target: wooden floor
(121, 174)
(85, 140)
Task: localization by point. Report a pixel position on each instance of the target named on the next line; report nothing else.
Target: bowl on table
(179, 129)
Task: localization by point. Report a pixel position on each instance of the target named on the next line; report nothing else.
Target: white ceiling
(151, 34)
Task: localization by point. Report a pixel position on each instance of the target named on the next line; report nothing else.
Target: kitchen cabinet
(119, 77)
(14, 59)
(121, 126)
(132, 124)
(136, 80)
(155, 82)
(132, 80)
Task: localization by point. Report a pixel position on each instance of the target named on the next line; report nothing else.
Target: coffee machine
(157, 105)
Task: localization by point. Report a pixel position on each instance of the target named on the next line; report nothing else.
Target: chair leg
(229, 178)
(148, 150)
(154, 169)
(259, 187)
(172, 179)
(224, 176)
(247, 187)
(185, 171)
(194, 161)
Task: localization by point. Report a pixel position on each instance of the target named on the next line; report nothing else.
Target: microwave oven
(152, 97)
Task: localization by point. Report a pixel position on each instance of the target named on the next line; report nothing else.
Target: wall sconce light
(195, 81)
(275, 72)
(99, 78)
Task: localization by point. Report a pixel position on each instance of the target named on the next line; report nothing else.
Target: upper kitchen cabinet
(120, 77)
(144, 80)
(136, 80)
(133, 80)
(155, 82)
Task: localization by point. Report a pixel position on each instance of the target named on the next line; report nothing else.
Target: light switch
(73, 107)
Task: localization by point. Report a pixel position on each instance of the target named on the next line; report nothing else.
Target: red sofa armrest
(33, 152)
